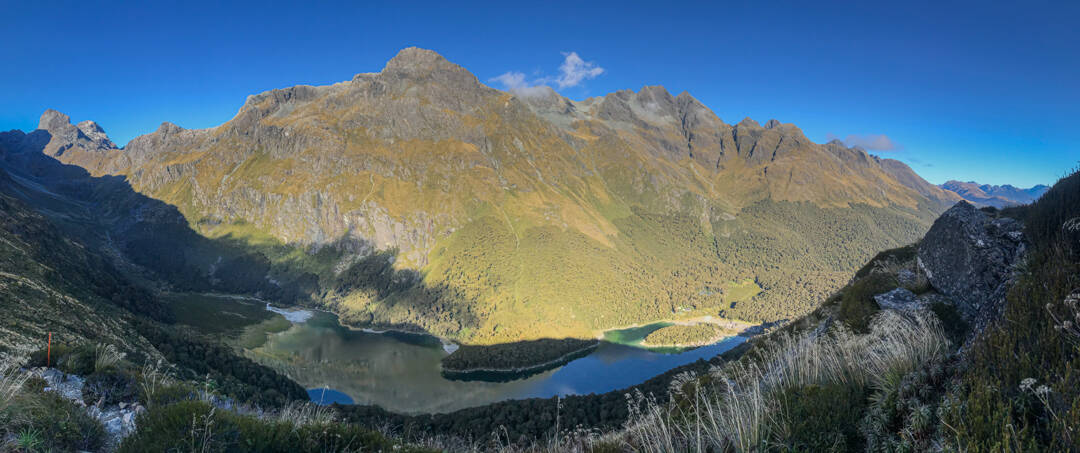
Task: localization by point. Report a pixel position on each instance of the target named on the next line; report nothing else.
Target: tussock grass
(302, 413)
(739, 406)
(106, 356)
(12, 379)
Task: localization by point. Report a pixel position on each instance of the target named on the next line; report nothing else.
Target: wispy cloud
(572, 72)
(870, 142)
(515, 82)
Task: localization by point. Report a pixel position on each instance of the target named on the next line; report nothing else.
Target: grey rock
(933, 297)
(68, 386)
(114, 425)
(898, 299)
(970, 257)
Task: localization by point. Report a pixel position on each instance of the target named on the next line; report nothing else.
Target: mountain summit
(520, 215)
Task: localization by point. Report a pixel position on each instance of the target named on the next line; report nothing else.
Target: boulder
(970, 257)
(907, 277)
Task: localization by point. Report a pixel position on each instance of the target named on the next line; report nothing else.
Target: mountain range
(419, 197)
(996, 196)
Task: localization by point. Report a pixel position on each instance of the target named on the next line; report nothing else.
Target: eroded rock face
(970, 257)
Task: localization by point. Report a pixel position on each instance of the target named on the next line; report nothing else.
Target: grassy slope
(50, 283)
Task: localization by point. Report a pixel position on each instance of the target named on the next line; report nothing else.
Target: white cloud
(870, 142)
(511, 80)
(515, 82)
(572, 72)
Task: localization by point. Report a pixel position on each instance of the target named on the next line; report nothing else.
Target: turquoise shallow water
(401, 371)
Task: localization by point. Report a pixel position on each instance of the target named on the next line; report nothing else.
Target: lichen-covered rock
(970, 256)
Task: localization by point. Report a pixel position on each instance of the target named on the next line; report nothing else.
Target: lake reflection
(400, 372)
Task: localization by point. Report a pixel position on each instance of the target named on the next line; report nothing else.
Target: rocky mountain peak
(655, 93)
(94, 132)
(772, 124)
(748, 123)
(414, 62)
(168, 128)
(86, 134)
(53, 120)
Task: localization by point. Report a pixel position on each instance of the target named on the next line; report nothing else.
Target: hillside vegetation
(417, 197)
(854, 376)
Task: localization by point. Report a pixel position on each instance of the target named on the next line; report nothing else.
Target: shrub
(40, 357)
(78, 360)
(167, 394)
(59, 424)
(857, 300)
(955, 326)
(821, 418)
(111, 387)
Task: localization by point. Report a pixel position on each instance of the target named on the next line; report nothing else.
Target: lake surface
(401, 372)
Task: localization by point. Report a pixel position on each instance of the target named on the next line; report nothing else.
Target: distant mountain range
(419, 197)
(996, 196)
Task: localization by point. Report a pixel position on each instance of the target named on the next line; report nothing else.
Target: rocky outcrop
(898, 299)
(118, 419)
(970, 257)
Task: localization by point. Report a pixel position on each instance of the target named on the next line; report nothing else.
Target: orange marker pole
(48, 352)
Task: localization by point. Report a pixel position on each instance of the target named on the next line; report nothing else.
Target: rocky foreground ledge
(971, 256)
(118, 419)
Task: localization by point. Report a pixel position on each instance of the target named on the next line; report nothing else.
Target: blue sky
(969, 91)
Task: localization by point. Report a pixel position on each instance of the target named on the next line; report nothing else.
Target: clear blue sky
(969, 91)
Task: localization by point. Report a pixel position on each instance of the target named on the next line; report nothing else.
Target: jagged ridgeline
(419, 196)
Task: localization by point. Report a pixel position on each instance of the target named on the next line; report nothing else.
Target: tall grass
(12, 379)
(737, 408)
(106, 356)
(301, 413)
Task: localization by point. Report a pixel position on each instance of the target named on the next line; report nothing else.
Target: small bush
(41, 357)
(79, 360)
(166, 395)
(822, 418)
(35, 384)
(112, 388)
(59, 424)
(955, 326)
(857, 300)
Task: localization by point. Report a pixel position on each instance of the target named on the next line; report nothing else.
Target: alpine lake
(400, 371)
